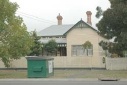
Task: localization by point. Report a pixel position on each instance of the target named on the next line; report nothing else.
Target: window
(61, 51)
(79, 50)
(90, 52)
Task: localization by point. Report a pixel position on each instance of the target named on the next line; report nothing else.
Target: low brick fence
(111, 63)
(116, 63)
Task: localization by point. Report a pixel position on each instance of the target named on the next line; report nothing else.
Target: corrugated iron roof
(55, 30)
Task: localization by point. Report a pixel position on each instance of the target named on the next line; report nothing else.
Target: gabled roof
(55, 30)
(81, 24)
(60, 30)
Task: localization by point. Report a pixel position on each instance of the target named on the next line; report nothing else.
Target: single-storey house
(71, 39)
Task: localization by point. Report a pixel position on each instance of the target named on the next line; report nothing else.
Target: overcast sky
(39, 14)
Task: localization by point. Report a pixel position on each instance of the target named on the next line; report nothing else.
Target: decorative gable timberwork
(80, 24)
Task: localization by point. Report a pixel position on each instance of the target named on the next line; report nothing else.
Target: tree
(87, 45)
(113, 25)
(50, 47)
(37, 47)
(99, 12)
(15, 41)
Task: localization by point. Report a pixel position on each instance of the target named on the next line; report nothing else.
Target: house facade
(78, 44)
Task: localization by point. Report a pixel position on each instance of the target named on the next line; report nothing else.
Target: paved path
(60, 82)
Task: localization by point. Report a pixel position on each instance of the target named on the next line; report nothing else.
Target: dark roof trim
(81, 21)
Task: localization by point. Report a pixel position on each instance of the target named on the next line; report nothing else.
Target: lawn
(67, 74)
(89, 74)
(13, 74)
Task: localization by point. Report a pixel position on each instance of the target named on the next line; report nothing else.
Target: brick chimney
(59, 18)
(89, 17)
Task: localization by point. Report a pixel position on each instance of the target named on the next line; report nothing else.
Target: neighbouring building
(71, 40)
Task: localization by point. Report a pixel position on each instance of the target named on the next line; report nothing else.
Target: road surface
(59, 82)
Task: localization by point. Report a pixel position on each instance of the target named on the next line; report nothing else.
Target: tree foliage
(50, 47)
(15, 41)
(36, 49)
(114, 25)
(87, 45)
(99, 12)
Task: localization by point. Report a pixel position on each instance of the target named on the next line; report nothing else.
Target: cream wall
(59, 62)
(116, 63)
(20, 63)
(79, 36)
(1, 64)
(74, 62)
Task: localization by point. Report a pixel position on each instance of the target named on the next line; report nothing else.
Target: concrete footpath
(62, 79)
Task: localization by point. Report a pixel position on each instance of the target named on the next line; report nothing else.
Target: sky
(39, 14)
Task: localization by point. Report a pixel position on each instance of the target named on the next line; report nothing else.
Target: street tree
(15, 41)
(113, 25)
(36, 49)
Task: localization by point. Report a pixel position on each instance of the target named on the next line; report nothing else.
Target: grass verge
(67, 74)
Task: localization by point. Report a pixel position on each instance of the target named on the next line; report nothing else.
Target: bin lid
(39, 58)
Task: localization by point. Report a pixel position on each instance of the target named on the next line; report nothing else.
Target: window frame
(81, 51)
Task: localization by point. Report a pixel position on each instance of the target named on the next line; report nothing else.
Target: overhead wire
(35, 17)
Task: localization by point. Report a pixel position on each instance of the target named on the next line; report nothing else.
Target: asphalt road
(60, 82)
